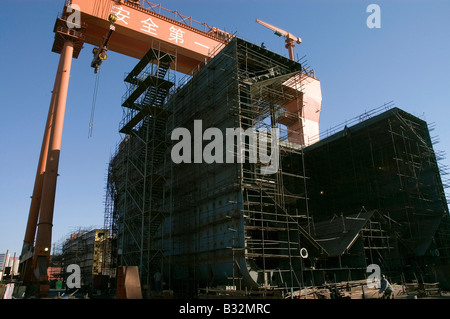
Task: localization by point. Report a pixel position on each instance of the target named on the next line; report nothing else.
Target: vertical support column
(44, 232)
(33, 215)
(290, 46)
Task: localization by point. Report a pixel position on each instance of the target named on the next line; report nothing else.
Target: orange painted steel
(290, 38)
(41, 210)
(138, 29)
(34, 260)
(302, 114)
(33, 215)
(37, 190)
(51, 170)
(45, 224)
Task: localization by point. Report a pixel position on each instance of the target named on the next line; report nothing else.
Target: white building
(9, 265)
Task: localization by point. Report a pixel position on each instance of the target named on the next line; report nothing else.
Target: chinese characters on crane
(176, 35)
(149, 26)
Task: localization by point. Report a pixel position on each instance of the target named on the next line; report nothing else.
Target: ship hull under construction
(221, 223)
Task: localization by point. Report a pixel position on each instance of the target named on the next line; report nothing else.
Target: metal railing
(358, 119)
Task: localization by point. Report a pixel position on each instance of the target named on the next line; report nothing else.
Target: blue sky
(407, 61)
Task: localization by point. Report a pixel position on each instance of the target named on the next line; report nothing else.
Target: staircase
(153, 87)
(144, 121)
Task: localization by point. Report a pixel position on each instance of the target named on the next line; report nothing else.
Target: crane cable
(94, 101)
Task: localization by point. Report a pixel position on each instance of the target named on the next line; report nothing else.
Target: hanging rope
(94, 101)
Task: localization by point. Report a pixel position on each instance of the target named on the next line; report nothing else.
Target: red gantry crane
(291, 39)
(131, 28)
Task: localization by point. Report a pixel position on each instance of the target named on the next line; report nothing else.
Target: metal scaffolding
(136, 175)
(229, 222)
(188, 218)
(89, 249)
(385, 162)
